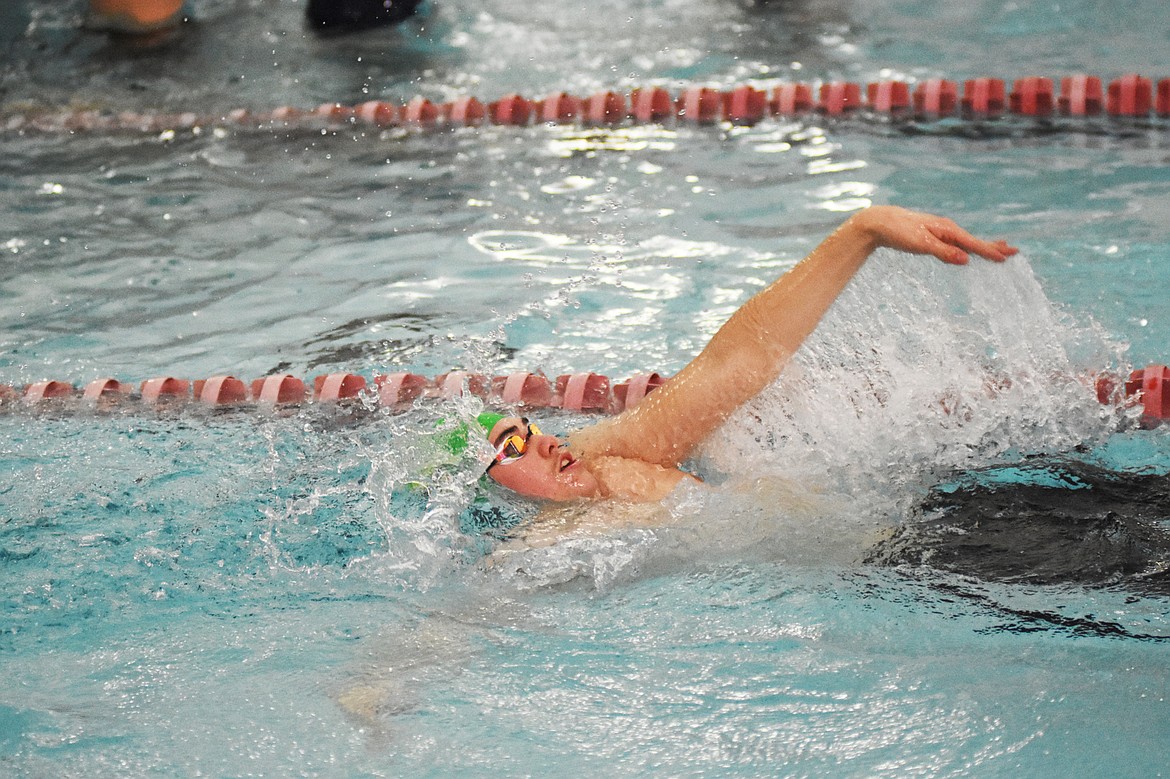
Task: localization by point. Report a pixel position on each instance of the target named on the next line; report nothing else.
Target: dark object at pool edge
(345, 15)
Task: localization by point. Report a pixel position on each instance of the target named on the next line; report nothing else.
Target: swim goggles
(514, 446)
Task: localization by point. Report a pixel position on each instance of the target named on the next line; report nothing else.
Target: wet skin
(547, 468)
(555, 470)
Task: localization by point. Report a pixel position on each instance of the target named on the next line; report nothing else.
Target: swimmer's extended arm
(753, 346)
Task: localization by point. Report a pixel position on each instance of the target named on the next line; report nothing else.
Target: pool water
(192, 591)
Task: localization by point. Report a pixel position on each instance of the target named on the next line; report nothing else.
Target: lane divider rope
(1132, 96)
(579, 392)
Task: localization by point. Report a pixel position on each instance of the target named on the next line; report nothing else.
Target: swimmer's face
(546, 469)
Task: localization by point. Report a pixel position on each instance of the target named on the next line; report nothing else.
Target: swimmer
(637, 456)
(134, 17)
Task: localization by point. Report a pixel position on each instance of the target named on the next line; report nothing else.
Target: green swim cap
(456, 439)
(488, 419)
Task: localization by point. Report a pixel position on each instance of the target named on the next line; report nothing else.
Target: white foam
(922, 368)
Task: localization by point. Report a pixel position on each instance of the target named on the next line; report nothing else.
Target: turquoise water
(191, 592)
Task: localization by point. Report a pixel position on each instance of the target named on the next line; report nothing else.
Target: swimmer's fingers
(952, 244)
(919, 233)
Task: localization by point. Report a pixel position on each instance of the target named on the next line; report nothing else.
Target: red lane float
(935, 98)
(700, 104)
(1032, 96)
(420, 111)
(524, 389)
(581, 392)
(629, 393)
(155, 390)
(586, 392)
(984, 97)
(220, 391)
(338, 386)
(105, 388)
(456, 383)
(512, 109)
(889, 97)
(560, 108)
(651, 105)
(605, 108)
(1151, 386)
(1081, 96)
(334, 112)
(744, 105)
(280, 389)
(377, 113)
(465, 111)
(840, 97)
(46, 390)
(396, 388)
(792, 100)
(286, 116)
(1131, 96)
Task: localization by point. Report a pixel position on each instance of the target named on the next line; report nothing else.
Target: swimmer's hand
(919, 233)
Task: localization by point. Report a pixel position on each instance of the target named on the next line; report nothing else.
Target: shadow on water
(1046, 524)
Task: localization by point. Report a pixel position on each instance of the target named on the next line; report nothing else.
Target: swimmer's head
(536, 465)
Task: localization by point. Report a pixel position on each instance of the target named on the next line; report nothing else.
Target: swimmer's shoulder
(636, 481)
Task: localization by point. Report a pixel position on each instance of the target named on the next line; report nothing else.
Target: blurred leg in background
(134, 17)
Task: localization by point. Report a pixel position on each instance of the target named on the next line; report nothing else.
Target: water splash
(920, 369)
(421, 490)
